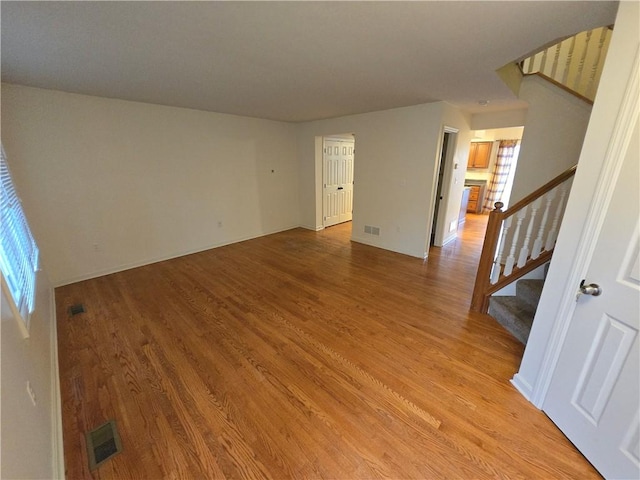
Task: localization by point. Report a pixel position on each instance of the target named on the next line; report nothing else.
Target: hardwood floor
(301, 355)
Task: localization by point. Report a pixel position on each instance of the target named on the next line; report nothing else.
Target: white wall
(562, 276)
(554, 131)
(394, 173)
(110, 184)
(30, 435)
(500, 119)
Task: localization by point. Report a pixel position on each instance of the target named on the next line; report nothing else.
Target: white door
(346, 176)
(593, 396)
(338, 181)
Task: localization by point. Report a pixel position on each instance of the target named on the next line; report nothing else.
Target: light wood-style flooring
(301, 355)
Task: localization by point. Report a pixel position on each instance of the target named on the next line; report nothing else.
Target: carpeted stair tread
(529, 291)
(513, 314)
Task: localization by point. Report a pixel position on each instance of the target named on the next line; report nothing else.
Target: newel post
(480, 300)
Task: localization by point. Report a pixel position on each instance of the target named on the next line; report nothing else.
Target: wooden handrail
(519, 272)
(562, 87)
(483, 289)
(547, 187)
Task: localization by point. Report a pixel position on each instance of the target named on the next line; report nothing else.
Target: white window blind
(18, 250)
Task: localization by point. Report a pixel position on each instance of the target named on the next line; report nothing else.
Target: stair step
(513, 314)
(529, 291)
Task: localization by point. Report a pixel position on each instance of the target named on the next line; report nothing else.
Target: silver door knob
(592, 289)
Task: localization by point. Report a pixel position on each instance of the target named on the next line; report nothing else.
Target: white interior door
(337, 163)
(346, 177)
(594, 392)
(330, 167)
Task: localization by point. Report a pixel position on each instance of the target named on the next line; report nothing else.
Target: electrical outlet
(219, 224)
(96, 247)
(32, 394)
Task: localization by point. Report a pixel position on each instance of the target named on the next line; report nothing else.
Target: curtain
(500, 175)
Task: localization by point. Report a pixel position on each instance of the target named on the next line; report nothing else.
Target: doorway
(446, 139)
(338, 152)
(439, 228)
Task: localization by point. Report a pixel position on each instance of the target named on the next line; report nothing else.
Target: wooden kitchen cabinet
(479, 154)
(475, 199)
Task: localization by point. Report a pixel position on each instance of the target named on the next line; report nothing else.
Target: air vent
(372, 230)
(102, 444)
(76, 309)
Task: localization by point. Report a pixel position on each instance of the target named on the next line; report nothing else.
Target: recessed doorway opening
(443, 188)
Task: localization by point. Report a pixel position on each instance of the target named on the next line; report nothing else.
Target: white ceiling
(291, 61)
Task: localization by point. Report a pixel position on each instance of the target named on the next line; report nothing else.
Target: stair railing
(520, 239)
(575, 63)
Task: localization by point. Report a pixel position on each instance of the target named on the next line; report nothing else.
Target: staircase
(515, 313)
(575, 63)
(522, 238)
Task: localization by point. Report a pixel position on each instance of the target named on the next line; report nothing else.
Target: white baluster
(567, 66)
(524, 251)
(543, 62)
(538, 62)
(511, 259)
(590, 90)
(553, 232)
(531, 65)
(556, 60)
(497, 263)
(585, 47)
(536, 250)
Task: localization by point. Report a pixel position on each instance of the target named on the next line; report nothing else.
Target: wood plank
(301, 354)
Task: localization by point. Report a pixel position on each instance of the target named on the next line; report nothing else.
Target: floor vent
(76, 309)
(102, 444)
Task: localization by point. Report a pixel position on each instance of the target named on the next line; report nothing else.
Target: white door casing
(337, 171)
(594, 395)
(440, 224)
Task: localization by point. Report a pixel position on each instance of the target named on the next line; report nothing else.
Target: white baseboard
(149, 261)
(316, 228)
(449, 239)
(366, 241)
(522, 386)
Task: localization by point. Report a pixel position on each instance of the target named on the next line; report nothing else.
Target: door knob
(340, 188)
(592, 289)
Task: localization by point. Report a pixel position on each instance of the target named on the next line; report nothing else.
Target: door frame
(446, 141)
(440, 230)
(338, 137)
(596, 210)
